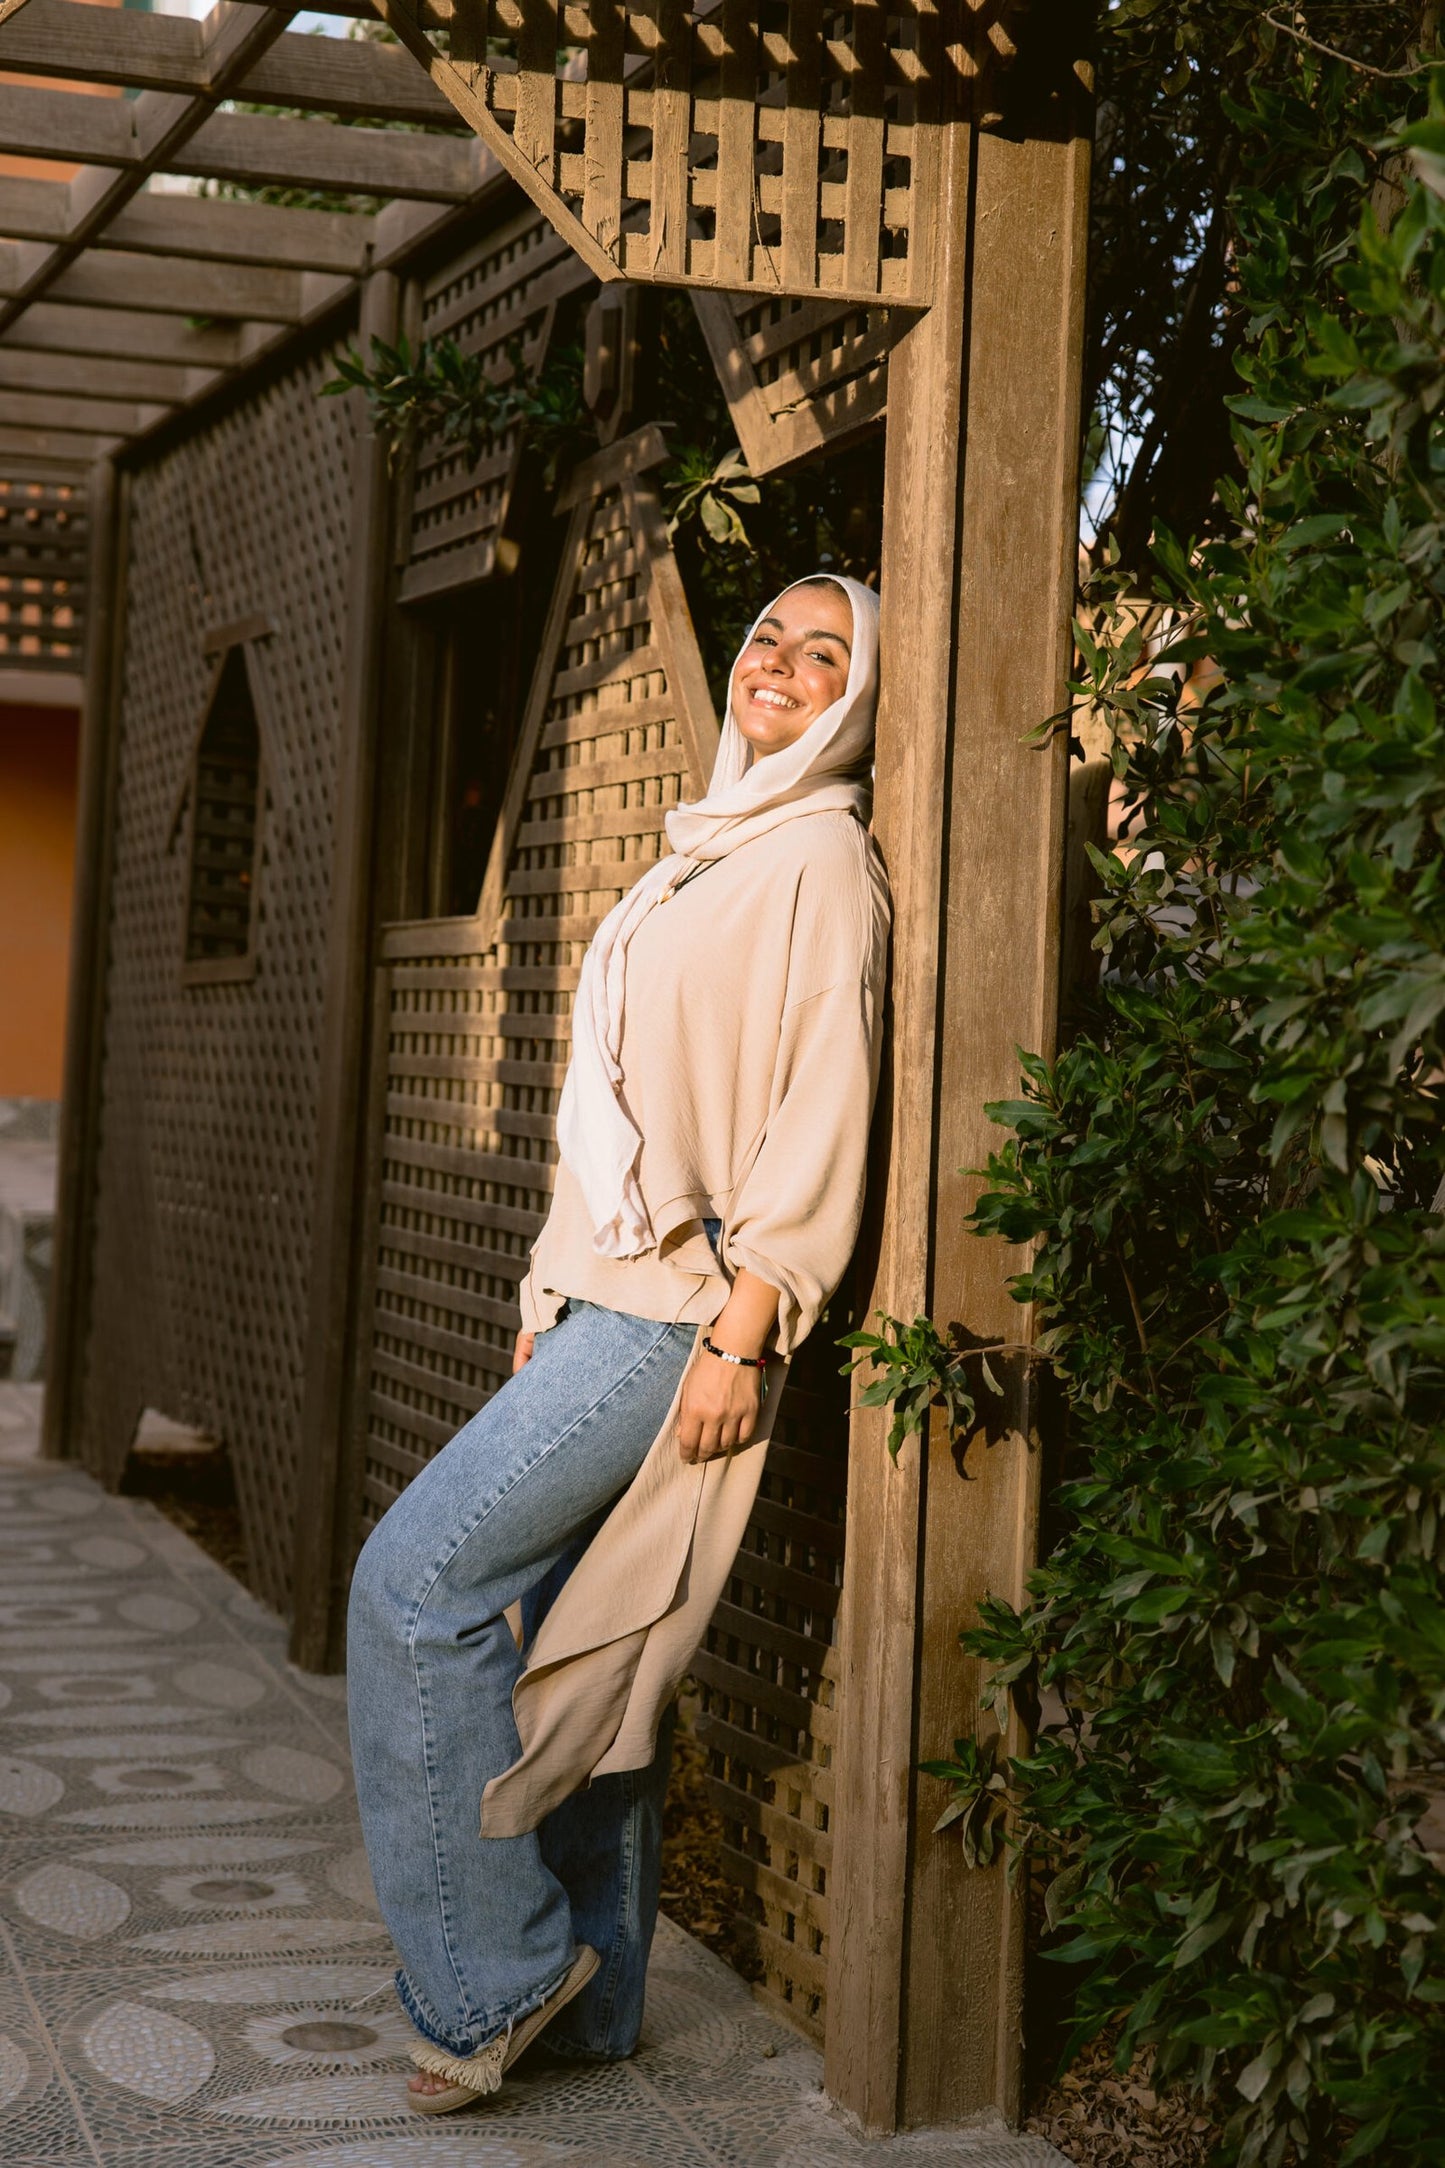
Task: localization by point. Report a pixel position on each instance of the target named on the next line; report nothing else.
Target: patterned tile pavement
(191, 1967)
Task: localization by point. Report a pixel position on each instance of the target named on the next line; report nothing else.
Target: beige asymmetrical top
(750, 1054)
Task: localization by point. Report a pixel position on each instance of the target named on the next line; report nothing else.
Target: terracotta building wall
(38, 751)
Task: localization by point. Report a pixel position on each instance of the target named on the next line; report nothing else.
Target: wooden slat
(468, 1165)
(535, 122)
(603, 154)
(423, 1244)
(800, 138)
(66, 124)
(666, 242)
(350, 77)
(861, 235)
(63, 38)
(122, 281)
(153, 381)
(256, 148)
(184, 226)
(732, 258)
(461, 1302)
(755, 1751)
(466, 1211)
(107, 417)
(128, 334)
(56, 447)
(771, 1638)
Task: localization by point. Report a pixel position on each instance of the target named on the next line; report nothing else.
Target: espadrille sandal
(471, 2078)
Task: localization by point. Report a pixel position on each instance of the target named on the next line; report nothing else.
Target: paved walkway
(191, 1967)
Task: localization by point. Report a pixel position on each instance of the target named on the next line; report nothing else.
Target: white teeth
(774, 700)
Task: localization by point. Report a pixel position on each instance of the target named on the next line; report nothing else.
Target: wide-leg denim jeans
(487, 1927)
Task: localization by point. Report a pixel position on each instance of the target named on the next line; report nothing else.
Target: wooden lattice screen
(766, 1682)
(799, 376)
(209, 1094)
(471, 1046)
(474, 1012)
(43, 544)
(497, 301)
(782, 150)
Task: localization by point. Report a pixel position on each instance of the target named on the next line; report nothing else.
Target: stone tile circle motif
(191, 1965)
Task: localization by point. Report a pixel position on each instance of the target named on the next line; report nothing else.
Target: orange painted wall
(38, 781)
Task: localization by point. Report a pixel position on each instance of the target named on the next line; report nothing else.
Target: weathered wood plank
(863, 200)
(350, 78)
(256, 147)
(602, 174)
(118, 280)
(54, 327)
(926, 1955)
(64, 38)
(174, 225)
(153, 381)
(320, 1544)
(96, 829)
(877, 1630)
(671, 134)
(105, 417)
(1001, 975)
(737, 107)
(51, 447)
(800, 135)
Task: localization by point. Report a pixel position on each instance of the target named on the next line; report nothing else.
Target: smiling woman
(794, 666)
(712, 1131)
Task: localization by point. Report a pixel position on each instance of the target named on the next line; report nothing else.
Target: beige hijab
(825, 770)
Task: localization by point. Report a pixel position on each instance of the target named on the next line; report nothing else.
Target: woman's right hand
(522, 1352)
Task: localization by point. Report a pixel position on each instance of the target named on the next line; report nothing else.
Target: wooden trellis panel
(43, 554)
(474, 1013)
(473, 1023)
(788, 149)
(766, 1679)
(800, 377)
(497, 300)
(209, 1108)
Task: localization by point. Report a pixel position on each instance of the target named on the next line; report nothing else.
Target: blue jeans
(485, 1929)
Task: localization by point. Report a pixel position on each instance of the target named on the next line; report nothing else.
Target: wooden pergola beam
(255, 148)
(204, 227)
(160, 383)
(236, 37)
(103, 416)
(51, 448)
(67, 39)
(117, 280)
(57, 327)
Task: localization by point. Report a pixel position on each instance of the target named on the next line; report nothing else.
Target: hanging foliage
(1229, 1184)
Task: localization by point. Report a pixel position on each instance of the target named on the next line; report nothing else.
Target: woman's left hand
(719, 1409)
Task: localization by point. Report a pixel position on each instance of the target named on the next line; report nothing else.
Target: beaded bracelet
(743, 1362)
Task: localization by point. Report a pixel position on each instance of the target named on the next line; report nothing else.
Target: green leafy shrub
(1229, 1185)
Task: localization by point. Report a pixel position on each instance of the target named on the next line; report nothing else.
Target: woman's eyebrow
(821, 634)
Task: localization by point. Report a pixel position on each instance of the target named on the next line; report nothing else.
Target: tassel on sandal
(471, 2078)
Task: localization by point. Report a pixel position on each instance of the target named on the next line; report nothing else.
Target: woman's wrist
(748, 1319)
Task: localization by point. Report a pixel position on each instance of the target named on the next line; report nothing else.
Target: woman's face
(794, 666)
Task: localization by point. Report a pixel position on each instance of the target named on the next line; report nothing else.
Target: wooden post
(926, 1958)
(316, 1569)
(89, 947)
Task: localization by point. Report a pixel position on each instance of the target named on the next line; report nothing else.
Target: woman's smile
(794, 667)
